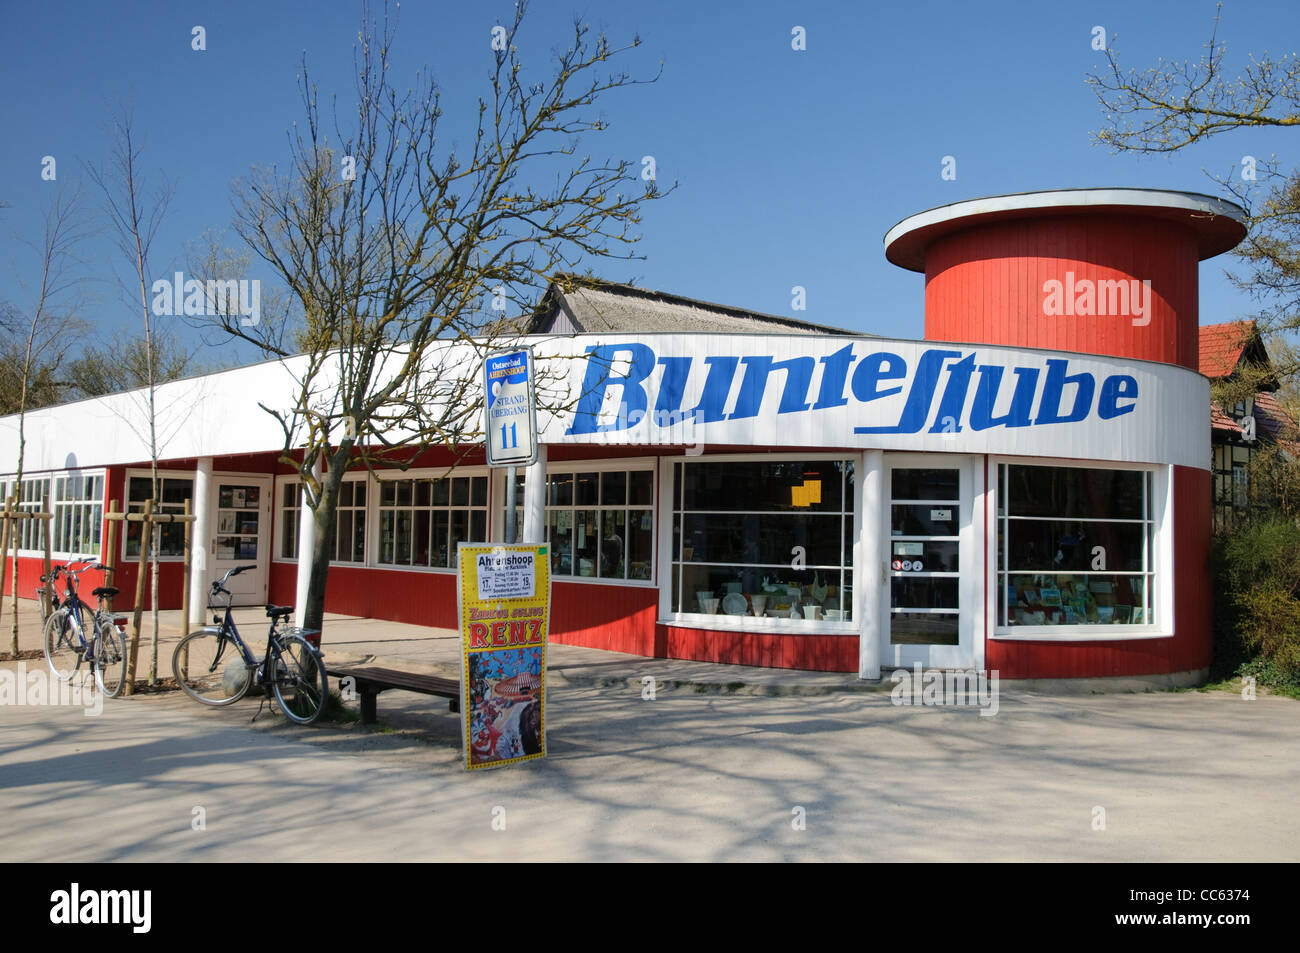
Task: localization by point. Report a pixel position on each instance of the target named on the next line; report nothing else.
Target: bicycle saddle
(275, 612)
(108, 591)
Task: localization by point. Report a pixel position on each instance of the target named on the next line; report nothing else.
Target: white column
(306, 546)
(869, 577)
(535, 500)
(199, 540)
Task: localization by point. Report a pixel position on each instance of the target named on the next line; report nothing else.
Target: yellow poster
(504, 596)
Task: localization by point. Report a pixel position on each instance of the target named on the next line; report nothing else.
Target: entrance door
(241, 522)
(930, 561)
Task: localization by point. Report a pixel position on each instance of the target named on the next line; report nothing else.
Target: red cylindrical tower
(1094, 271)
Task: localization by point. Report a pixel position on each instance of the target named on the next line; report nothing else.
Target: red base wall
(817, 653)
(418, 598)
(614, 618)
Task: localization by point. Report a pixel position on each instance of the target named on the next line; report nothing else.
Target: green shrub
(1257, 602)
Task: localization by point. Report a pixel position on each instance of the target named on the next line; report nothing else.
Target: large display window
(1076, 549)
(175, 491)
(349, 524)
(78, 514)
(422, 520)
(600, 523)
(763, 538)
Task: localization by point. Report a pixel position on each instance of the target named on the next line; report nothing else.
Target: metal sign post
(510, 419)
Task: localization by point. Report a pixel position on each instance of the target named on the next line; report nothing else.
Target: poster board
(504, 600)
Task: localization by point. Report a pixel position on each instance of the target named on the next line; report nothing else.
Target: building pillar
(870, 577)
(200, 540)
(306, 546)
(535, 499)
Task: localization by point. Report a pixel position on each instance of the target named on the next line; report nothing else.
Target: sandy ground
(693, 774)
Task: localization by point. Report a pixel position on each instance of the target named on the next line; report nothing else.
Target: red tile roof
(1221, 421)
(1222, 345)
(1272, 420)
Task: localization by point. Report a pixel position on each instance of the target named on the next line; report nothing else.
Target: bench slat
(373, 679)
(411, 681)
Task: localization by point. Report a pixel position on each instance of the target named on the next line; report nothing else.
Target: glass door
(241, 513)
(929, 563)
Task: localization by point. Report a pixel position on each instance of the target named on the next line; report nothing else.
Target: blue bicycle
(66, 642)
(214, 665)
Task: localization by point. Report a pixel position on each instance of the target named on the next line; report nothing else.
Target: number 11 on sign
(509, 442)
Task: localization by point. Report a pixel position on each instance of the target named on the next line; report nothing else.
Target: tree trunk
(325, 514)
(153, 595)
(4, 557)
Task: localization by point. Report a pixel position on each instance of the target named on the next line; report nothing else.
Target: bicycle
(292, 669)
(64, 631)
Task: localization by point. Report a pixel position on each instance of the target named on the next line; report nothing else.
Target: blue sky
(792, 165)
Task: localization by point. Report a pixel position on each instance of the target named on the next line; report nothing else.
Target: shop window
(290, 508)
(422, 520)
(1075, 547)
(78, 514)
(600, 523)
(349, 523)
(175, 491)
(772, 538)
(30, 497)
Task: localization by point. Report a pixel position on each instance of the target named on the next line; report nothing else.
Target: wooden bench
(370, 680)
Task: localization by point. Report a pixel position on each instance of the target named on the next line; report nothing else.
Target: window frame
(1160, 507)
(375, 510)
(186, 475)
(95, 505)
(7, 487)
(625, 465)
(698, 620)
(278, 527)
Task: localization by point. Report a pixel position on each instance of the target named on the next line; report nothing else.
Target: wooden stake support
(10, 517)
(148, 518)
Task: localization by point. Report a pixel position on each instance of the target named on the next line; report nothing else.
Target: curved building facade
(1025, 490)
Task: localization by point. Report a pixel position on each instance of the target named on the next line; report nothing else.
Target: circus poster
(504, 601)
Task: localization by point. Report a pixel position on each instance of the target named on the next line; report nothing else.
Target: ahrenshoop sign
(772, 391)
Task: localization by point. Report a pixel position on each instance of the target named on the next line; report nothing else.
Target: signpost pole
(510, 422)
(511, 490)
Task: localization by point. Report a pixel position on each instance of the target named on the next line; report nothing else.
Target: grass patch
(338, 713)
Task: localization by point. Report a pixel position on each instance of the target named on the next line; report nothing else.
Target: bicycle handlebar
(220, 584)
(75, 574)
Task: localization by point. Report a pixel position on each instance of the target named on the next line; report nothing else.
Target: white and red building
(1025, 490)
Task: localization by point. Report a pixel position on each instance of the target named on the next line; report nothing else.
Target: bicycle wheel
(210, 667)
(299, 684)
(110, 659)
(61, 645)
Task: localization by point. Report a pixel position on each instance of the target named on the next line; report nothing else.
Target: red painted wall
(819, 653)
(420, 598)
(617, 618)
(984, 285)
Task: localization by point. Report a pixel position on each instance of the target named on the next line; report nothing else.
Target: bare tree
(401, 253)
(1176, 104)
(126, 364)
(54, 316)
(135, 218)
